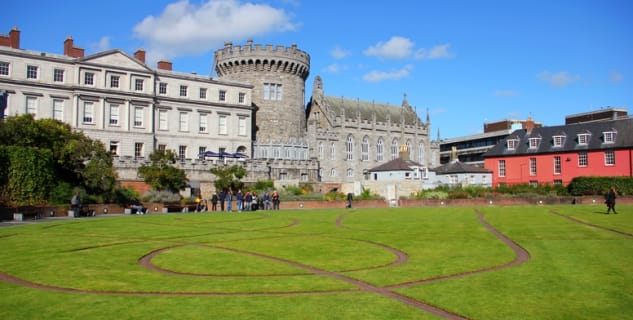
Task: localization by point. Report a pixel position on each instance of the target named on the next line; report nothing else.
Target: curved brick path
(401, 257)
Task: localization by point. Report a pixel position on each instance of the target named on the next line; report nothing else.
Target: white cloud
(376, 76)
(615, 76)
(505, 93)
(395, 48)
(339, 53)
(558, 79)
(437, 52)
(335, 68)
(102, 45)
(184, 28)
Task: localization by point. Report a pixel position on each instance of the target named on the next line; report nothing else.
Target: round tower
(278, 75)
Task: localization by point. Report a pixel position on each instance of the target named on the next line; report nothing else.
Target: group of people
(248, 201)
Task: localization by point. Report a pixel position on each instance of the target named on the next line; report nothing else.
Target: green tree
(229, 177)
(160, 174)
(29, 175)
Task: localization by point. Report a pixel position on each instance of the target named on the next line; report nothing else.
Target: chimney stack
(164, 65)
(529, 125)
(140, 55)
(70, 49)
(13, 40)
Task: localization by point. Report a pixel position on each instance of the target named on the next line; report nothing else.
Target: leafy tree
(161, 175)
(29, 175)
(229, 177)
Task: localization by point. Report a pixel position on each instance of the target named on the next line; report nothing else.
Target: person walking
(610, 200)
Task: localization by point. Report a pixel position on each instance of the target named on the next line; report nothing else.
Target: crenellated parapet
(257, 58)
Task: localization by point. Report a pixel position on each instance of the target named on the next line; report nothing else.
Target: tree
(160, 174)
(229, 177)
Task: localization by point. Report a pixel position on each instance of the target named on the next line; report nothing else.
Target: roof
(367, 110)
(623, 129)
(397, 164)
(459, 167)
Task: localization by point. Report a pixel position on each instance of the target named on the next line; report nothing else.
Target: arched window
(421, 153)
(409, 149)
(394, 149)
(365, 149)
(332, 151)
(333, 172)
(350, 172)
(349, 148)
(380, 150)
(320, 150)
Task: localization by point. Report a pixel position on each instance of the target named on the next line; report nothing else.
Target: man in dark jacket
(610, 200)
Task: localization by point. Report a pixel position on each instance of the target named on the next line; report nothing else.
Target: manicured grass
(303, 264)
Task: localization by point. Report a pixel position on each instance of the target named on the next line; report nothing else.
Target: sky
(464, 63)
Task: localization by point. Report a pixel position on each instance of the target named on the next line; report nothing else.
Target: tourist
(610, 200)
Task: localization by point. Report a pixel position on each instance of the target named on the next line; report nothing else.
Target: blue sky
(466, 62)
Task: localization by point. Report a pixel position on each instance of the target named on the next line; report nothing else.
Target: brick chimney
(164, 65)
(70, 49)
(13, 40)
(529, 125)
(140, 55)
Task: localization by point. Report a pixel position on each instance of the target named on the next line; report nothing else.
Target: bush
(580, 186)
(161, 196)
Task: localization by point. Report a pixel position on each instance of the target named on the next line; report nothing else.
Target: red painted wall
(518, 167)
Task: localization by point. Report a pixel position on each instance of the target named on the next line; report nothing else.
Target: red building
(557, 154)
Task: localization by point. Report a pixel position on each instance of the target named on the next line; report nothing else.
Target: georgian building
(557, 154)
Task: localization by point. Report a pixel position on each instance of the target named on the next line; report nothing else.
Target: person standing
(240, 200)
(214, 201)
(75, 204)
(221, 197)
(275, 197)
(350, 198)
(266, 201)
(229, 201)
(247, 201)
(610, 200)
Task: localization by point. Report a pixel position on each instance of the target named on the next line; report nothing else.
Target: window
(304, 177)
(394, 149)
(421, 153)
(333, 172)
(380, 148)
(332, 151)
(583, 138)
(138, 84)
(283, 176)
(534, 142)
(241, 98)
(558, 141)
(452, 179)
(349, 148)
(115, 81)
(222, 95)
(558, 182)
(534, 183)
(320, 150)
(609, 158)
(202, 150)
(4, 68)
(502, 168)
(609, 137)
(512, 144)
(222, 128)
(364, 149)
(139, 114)
(162, 88)
(320, 172)
(183, 121)
(272, 91)
(89, 79)
(532, 166)
(114, 148)
(409, 149)
(31, 72)
(183, 91)
(58, 109)
(31, 105)
(58, 75)
(138, 150)
(557, 165)
(241, 126)
(162, 147)
(182, 153)
(114, 114)
(203, 122)
(582, 159)
(203, 93)
(350, 172)
(162, 120)
(88, 112)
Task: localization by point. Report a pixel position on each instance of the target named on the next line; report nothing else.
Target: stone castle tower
(278, 76)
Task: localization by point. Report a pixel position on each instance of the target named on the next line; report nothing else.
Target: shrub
(161, 196)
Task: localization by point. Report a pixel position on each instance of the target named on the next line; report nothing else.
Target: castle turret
(278, 75)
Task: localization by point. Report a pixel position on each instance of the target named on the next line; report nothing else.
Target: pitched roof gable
(117, 58)
(454, 167)
(397, 164)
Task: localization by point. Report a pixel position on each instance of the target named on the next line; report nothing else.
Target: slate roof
(367, 109)
(455, 167)
(623, 138)
(396, 165)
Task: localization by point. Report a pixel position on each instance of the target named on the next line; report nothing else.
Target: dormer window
(512, 144)
(558, 141)
(583, 138)
(609, 136)
(534, 142)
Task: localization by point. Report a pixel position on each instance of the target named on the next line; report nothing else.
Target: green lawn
(323, 264)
